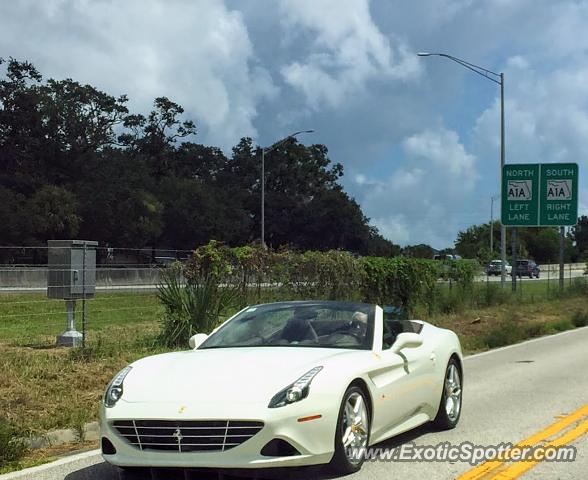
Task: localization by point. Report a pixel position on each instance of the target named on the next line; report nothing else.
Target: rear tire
(451, 398)
(353, 420)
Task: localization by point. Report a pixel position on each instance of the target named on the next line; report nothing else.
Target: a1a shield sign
(540, 194)
(559, 182)
(520, 195)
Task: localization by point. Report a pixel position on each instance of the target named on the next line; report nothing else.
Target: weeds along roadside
(43, 387)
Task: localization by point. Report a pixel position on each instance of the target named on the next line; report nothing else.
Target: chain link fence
(547, 278)
(116, 298)
(124, 306)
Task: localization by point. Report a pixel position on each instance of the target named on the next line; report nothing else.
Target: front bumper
(314, 439)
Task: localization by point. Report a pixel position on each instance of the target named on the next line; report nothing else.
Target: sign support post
(562, 232)
(514, 272)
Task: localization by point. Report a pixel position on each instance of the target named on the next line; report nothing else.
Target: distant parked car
(446, 256)
(495, 267)
(527, 268)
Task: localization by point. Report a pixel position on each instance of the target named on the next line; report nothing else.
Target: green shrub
(453, 300)
(505, 333)
(399, 281)
(331, 275)
(536, 330)
(492, 294)
(198, 295)
(460, 272)
(12, 444)
(559, 325)
(579, 286)
(580, 319)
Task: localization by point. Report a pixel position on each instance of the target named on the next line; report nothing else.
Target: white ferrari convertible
(283, 384)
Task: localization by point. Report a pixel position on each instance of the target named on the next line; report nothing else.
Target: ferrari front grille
(186, 436)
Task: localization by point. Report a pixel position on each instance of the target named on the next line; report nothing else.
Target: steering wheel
(312, 331)
(357, 329)
(259, 335)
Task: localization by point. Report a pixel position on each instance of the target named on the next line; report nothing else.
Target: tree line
(540, 244)
(75, 162)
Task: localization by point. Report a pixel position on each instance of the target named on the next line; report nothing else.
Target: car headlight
(115, 388)
(295, 391)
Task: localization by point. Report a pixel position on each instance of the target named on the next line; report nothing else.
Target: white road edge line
(91, 453)
(525, 342)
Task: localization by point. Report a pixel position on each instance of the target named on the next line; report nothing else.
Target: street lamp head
(299, 132)
(424, 54)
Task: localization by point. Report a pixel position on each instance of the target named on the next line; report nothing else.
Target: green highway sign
(520, 195)
(559, 182)
(540, 194)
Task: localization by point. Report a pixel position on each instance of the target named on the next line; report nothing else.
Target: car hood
(241, 374)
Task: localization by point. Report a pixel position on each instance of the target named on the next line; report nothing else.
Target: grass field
(32, 318)
(43, 387)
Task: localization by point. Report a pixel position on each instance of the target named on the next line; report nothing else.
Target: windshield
(299, 324)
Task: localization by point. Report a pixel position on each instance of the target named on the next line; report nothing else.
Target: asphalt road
(553, 276)
(509, 395)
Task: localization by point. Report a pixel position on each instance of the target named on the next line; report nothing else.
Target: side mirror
(196, 340)
(406, 340)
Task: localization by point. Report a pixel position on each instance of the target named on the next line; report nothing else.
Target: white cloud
(198, 53)
(347, 52)
(425, 199)
(442, 149)
(357, 59)
(546, 114)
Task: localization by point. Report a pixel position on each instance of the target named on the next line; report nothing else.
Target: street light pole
(263, 152)
(502, 161)
(497, 78)
(263, 198)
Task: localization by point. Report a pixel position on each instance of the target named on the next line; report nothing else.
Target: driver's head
(360, 317)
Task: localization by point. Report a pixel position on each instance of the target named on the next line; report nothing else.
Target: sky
(419, 138)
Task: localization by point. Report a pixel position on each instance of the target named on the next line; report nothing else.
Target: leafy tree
(14, 219)
(21, 128)
(75, 161)
(195, 212)
(139, 219)
(154, 136)
(53, 213)
(541, 243)
(421, 250)
(473, 242)
(580, 236)
(378, 246)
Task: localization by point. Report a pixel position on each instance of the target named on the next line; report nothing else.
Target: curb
(90, 432)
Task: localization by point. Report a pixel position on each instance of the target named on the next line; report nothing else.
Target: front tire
(451, 398)
(352, 433)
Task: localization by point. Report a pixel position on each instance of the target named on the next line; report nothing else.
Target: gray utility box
(72, 269)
